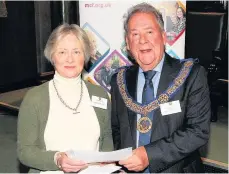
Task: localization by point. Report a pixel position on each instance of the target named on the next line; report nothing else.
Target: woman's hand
(69, 165)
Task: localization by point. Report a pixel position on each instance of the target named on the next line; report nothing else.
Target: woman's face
(68, 57)
(179, 13)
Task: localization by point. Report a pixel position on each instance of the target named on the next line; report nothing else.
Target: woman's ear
(52, 62)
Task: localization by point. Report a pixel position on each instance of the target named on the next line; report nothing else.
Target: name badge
(170, 107)
(99, 102)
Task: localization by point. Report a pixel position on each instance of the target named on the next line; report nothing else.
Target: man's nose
(143, 39)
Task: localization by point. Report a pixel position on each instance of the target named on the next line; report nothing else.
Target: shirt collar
(159, 66)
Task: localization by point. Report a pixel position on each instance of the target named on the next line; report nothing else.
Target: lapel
(131, 84)
(170, 70)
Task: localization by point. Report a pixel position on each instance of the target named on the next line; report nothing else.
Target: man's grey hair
(60, 32)
(143, 8)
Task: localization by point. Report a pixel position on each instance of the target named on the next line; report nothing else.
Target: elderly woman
(59, 115)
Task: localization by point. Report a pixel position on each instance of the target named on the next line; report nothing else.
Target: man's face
(145, 40)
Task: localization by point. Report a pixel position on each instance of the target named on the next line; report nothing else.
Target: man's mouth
(145, 50)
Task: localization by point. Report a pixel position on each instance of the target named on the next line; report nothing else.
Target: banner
(103, 22)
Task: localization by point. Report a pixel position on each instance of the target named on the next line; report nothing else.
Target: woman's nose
(69, 57)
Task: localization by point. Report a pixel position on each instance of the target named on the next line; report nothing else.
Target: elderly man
(160, 106)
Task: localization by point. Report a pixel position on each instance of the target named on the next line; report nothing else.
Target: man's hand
(138, 161)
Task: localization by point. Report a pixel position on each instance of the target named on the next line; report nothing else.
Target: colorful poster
(100, 47)
(104, 20)
(103, 72)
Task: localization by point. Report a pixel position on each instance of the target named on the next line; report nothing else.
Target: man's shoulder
(127, 69)
(196, 70)
(196, 66)
(182, 62)
(188, 63)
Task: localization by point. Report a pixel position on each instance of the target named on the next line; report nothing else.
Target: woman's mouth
(69, 67)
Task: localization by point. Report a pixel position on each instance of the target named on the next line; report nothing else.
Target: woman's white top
(67, 131)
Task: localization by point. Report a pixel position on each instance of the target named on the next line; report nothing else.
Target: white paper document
(106, 169)
(94, 157)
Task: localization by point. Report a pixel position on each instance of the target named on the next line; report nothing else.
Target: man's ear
(164, 37)
(127, 44)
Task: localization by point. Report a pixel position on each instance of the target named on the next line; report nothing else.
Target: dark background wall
(24, 33)
(207, 34)
(17, 46)
(207, 40)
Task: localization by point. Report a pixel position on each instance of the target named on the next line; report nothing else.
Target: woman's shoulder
(38, 91)
(95, 89)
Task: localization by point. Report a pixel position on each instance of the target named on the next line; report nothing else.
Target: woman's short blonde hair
(60, 32)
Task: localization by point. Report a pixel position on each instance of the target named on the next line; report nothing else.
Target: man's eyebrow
(145, 28)
(133, 30)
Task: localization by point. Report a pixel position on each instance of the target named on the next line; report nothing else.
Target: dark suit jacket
(176, 137)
